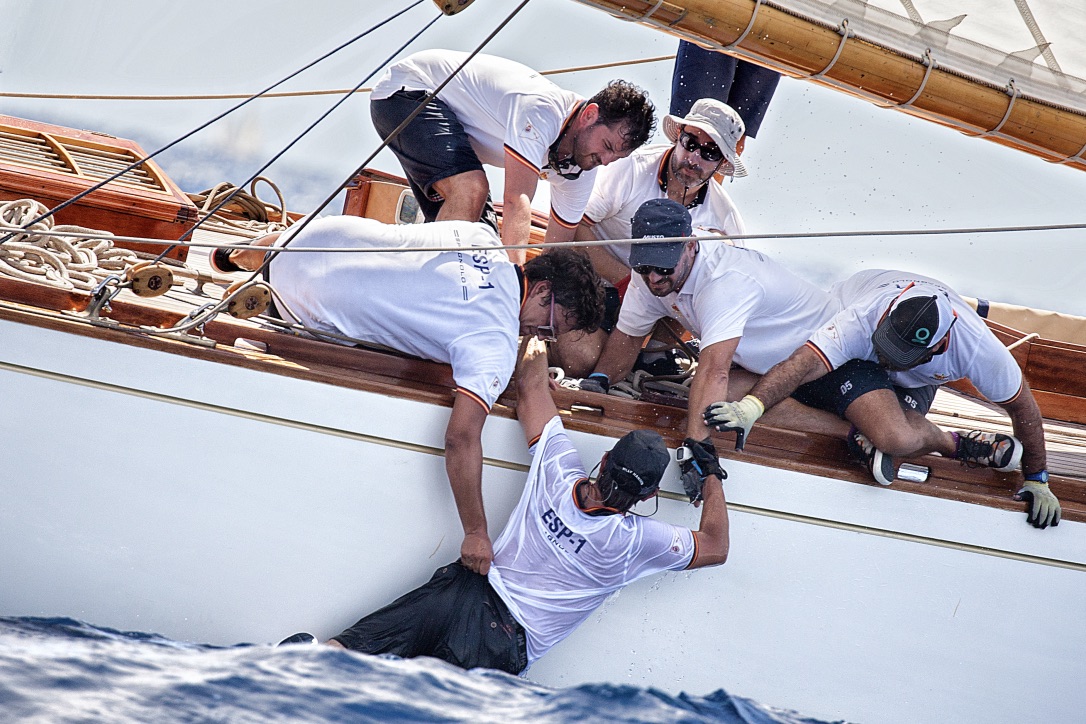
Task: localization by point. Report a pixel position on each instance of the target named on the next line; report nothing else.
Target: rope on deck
(59, 260)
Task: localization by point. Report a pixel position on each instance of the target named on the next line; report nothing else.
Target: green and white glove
(737, 417)
(1044, 509)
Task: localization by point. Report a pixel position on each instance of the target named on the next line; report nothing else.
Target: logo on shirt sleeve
(676, 542)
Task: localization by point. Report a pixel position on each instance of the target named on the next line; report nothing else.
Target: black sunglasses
(646, 269)
(562, 167)
(709, 150)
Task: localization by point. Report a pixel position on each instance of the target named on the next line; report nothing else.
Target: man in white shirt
(742, 305)
(877, 364)
(569, 545)
(464, 308)
(703, 145)
(501, 113)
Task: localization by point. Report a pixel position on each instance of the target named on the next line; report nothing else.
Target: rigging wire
(300, 226)
(799, 235)
(320, 119)
(217, 118)
(299, 94)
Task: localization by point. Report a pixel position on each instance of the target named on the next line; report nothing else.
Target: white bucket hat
(719, 121)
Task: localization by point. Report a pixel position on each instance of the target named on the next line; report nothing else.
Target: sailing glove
(737, 417)
(596, 382)
(1044, 509)
(697, 460)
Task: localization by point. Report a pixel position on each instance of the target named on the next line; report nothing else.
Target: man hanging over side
(570, 544)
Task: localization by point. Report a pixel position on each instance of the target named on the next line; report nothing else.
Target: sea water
(60, 670)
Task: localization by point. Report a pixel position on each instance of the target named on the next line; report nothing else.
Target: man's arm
(710, 384)
(535, 406)
(1029, 429)
(619, 355)
(603, 261)
(712, 538)
(804, 365)
(464, 466)
(520, 185)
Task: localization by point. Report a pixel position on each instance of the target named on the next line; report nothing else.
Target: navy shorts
(701, 73)
(434, 146)
(835, 391)
(456, 617)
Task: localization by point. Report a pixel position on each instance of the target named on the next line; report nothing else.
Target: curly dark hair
(574, 283)
(622, 102)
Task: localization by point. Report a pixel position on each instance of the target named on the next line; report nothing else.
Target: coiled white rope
(35, 254)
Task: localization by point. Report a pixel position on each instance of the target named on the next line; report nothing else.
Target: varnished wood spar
(801, 48)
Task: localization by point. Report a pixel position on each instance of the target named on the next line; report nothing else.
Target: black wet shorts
(835, 391)
(434, 146)
(456, 617)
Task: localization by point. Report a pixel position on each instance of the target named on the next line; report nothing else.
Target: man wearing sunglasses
(498, 112)
(462, 307)
(877, 364)
(703, 143)
(742, 305)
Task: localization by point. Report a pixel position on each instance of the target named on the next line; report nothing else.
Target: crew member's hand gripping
(697, 460)
(738, 417)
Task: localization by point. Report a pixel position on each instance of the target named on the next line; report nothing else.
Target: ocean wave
(63, 670)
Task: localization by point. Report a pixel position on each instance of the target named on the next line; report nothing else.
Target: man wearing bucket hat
(703, 143)
(878, 362)
(742, 306)
(570, 543)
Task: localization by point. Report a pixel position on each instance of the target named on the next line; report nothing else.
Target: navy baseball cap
(659, 218)
(915, 324)
(637, 462)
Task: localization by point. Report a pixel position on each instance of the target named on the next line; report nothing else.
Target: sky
(822, 162)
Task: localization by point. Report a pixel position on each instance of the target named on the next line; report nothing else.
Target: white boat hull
(155, 492)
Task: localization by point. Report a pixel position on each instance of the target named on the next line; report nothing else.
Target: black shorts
(456, 617)
(434, 146)
(837, 390)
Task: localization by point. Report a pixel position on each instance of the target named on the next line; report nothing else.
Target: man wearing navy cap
(569, 544)
(878, 362)
(742, 306)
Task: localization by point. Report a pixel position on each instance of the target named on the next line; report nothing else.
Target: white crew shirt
(733, 292)
(502, 105)
(624, 185)
(973, 350)
(457, 307)
(554, 564)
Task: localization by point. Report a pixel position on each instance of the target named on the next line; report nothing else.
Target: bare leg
(464, 194)
(787, 413)
(879, 416)
(334, 644)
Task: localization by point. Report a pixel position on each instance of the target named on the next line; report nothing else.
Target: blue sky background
(823, 161)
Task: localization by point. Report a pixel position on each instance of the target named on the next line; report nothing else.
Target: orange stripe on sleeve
(1015, 396)
(517, 156)
(472, 396)
(825, 360)
(694, 557)
(563, 222)
(535, 440)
